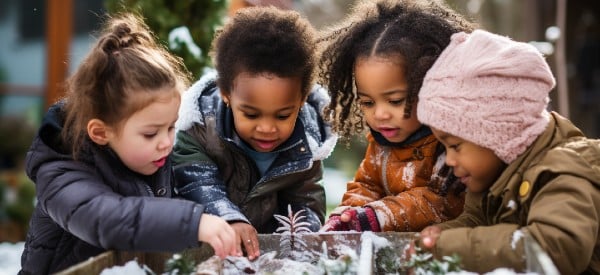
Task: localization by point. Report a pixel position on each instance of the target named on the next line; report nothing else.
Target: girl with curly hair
(373, 64)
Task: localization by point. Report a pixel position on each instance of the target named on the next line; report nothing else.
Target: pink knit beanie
(489, 90)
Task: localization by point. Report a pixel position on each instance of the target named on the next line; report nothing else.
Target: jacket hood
(580, 155)
(198, 103)
(561, 143)
(47, 144)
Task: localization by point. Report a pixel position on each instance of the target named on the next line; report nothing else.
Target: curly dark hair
(265, 40)
(414, 31)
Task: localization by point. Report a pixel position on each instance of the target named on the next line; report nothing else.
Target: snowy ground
(334, 181)
(10, 258)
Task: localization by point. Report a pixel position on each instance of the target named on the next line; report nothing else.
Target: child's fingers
(252, 249)
(217, 245)
(238, 245)
(428, 242)
(231, 242)
(429, 236)
(334, 224)
(345, 217)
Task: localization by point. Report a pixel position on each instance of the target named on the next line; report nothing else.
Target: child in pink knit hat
(527, 170)
(373, 65)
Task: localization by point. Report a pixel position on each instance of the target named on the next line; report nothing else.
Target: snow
(408, 174)
(131, 267)
(182, 35)
(377, 241)
(497, 271)
(365, 261)
(334, 183)
(10, 258)
(517, 235)
(10, 254)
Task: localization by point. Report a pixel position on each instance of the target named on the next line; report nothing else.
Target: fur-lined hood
(203, 100)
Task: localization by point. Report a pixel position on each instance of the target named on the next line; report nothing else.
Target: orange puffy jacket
(408, 187)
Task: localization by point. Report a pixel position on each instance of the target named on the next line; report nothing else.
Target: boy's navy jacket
(211, 167)
(96, 203)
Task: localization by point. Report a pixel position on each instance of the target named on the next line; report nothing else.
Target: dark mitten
(363, 219)
(334, 224)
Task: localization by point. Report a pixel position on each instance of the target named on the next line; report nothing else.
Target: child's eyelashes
(366, 103)
(149, 135)
(251, 116)
(370, 103)
(397, 102)
(256, 116)
(454, 147)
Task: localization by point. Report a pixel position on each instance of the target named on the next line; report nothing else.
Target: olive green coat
(552, 192)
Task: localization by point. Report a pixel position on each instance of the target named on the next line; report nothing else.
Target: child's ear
(98, 131)
(225, 98)
(305, 98)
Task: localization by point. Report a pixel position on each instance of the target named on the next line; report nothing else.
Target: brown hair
(414, 32)
(124, 72)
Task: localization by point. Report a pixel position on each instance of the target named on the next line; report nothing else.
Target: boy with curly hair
(251, 138)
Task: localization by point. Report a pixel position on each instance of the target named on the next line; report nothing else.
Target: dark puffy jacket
(95, 204)
(211, 167)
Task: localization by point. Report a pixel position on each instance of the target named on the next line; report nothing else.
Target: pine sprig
(292, 225)
(423, 263)
(180, 265)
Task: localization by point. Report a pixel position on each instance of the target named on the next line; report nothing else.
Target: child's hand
(220, 235)
(429, 236)
(248, 236)
(334, 223)
(361, 219)
(353, 218)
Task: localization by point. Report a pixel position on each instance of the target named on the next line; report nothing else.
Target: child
(385, 50)
(100, 160)
(527, 170)
(251, 139)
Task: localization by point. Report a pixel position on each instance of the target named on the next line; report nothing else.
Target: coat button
(418, 154)
(161, 192)
(524, 189)
(302, 149)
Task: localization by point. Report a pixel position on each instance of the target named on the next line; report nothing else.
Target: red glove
(362, 219)
(334, 224)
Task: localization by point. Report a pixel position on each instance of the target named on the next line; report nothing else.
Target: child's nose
(165, 142)
(266, 126)
(381, 112)
(450, 159)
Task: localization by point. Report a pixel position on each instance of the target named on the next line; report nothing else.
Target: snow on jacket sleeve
(199, 180)
(78, 200)
(402, 200)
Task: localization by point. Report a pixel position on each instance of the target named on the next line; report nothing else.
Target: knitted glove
(362, 219)
(334, 224)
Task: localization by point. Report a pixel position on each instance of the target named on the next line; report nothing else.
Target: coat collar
(422, 132)
(203, 100)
